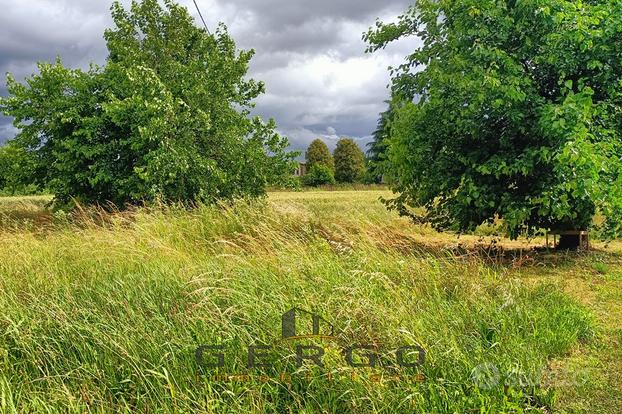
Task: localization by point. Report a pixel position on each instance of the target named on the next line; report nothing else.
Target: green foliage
(17, 168)
(349, 161)
(166, 118)
(600, 267)
(370, 177)
(377, 149)
(290, 182)
(517, 113)
(318, 175)
(318, 153)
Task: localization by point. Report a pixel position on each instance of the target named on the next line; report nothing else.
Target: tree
(517, 116)
(377, 148)
(318, 175)
(167, 117)
(17, 169)
(349, 161)
(318, 153)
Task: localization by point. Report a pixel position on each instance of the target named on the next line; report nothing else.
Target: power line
(201, 16)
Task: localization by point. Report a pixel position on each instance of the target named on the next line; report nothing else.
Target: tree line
(505, 110)
(345, 165)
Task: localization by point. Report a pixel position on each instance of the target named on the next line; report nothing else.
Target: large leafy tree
(319, 154)
(518, 113)
(166, 117)
(349, 161)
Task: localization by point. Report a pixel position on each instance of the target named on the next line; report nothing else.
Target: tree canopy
(318, 153)
(517, 113)
(349, 161)
(167, 117)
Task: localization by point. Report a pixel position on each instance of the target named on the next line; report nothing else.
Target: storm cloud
(319, 81)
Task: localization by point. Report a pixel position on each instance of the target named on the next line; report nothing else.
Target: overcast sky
(319, 81)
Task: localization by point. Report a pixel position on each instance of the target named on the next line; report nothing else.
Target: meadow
(103, 312)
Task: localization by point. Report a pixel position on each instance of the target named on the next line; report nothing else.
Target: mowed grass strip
(105, 315)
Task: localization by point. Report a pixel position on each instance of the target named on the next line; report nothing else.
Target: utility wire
(201, 16)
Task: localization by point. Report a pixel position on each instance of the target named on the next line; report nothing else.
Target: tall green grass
(103, 313)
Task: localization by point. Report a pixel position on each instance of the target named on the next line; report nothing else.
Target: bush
(318, 175)
(292, 183)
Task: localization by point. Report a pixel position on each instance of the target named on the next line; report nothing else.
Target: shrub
(318, 175)
(290, 183)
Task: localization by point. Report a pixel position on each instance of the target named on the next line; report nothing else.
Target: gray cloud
(319, 81)
(294, 13)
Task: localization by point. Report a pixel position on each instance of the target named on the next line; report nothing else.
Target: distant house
(301, 170)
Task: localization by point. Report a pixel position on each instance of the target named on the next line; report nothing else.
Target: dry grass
(102, 312)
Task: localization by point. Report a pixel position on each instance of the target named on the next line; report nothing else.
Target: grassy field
(104, 312)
